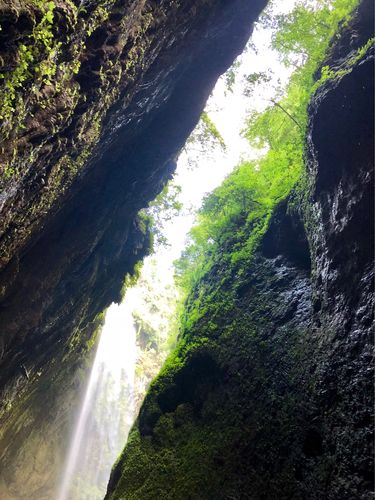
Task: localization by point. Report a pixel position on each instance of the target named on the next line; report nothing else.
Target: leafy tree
(236, 214)
(165, 207)
(203, 141)
(155, 316)
(206, 134)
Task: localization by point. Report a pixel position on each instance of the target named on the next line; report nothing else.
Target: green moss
(44, 96)
(47, 61)
(220, 396)
(335, 75)
(41, 41)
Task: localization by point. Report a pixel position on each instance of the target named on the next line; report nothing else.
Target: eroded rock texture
(341, 231)
(105, 95)
(270, 393)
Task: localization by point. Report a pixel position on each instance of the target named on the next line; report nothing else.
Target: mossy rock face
(78, 79)
(269, 392)
(234, 396)
(97, 98)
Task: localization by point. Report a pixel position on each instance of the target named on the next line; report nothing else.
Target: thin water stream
(107, 410)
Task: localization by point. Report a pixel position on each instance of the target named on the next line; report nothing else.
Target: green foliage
(235, 216)
(306, 31)
(19, 75)
(206, 135)
(254, 79)
(230, 76)
(40, 42)
(165, 207)
(155, 310)
(329, 74)
(210, 130)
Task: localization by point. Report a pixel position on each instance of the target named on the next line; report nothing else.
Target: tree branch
(287, 113)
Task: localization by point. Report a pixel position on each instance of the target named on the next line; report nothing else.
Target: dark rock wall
(342, 242)
(270, 394)
(91, 147)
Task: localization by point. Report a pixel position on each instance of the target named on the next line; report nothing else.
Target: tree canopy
(235, 215)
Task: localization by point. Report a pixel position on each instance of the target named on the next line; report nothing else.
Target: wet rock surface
(343, 252)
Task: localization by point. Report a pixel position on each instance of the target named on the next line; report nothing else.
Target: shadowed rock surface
(109, 95)
(270, 393)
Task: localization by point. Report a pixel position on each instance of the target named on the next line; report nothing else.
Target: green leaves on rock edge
(237, 213)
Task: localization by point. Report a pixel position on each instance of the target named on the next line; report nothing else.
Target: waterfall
(107, 410)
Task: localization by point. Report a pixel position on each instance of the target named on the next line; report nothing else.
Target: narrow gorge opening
(185, 350)
(150, 306)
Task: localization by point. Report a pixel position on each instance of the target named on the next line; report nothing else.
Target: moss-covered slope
(269, 393)
(236, 378)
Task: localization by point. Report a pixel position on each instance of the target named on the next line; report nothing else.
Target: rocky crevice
(271, 394)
